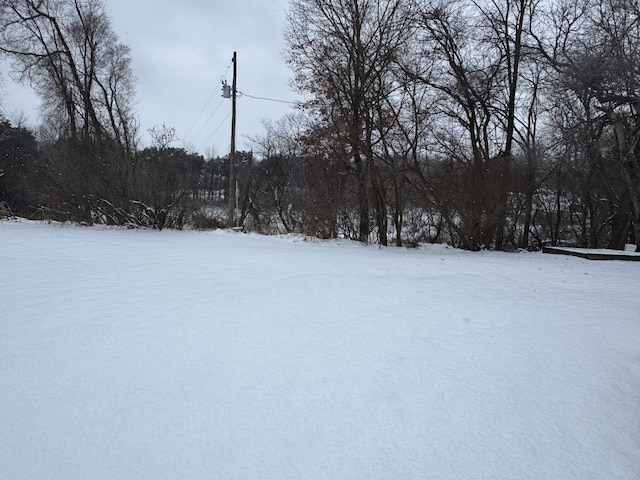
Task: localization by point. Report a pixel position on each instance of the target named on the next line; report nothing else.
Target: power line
(195, 137)
(214, 132)
(268, 99)
(222, 77)
(199, 115)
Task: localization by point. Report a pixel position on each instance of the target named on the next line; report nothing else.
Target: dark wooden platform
(593, 254)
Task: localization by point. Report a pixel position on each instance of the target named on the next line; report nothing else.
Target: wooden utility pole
(232, 156)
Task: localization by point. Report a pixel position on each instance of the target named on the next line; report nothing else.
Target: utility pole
(232, 157)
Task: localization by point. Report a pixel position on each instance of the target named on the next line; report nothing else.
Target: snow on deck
(595, 253)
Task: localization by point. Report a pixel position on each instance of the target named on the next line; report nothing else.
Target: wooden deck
(594, 254)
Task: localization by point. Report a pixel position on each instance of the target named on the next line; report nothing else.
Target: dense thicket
(86, 166)
(495, 124)
(486, 124)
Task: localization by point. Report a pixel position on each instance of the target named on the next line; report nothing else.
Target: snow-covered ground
(190, 355)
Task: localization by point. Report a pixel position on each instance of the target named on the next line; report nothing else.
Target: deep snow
(133, 354)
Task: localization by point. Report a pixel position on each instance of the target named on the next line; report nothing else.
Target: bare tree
(341, 52)
(505, 23)
(166, 182)
(594, 46)
(67, 50)
(465, 79)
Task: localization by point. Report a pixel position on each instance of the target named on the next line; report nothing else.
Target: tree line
(482, 123)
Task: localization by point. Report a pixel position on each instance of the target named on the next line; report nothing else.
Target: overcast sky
(181, 51)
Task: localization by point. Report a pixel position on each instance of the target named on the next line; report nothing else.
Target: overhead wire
(195, 137)
(267, 98)
(199, 115)
(217, 107)
(214, 132)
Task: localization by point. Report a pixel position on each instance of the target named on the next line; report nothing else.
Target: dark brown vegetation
(489, 124)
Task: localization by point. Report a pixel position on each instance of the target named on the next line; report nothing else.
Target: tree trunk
(363, 198)
(397, 214)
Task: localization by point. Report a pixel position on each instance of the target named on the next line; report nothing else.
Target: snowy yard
(189, 355)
